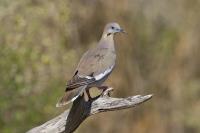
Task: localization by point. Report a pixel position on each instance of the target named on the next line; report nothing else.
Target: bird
(94, 66)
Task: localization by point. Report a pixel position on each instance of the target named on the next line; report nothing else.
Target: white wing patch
(87, 77)
(101, 75)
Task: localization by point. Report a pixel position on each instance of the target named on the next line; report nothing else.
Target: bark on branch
(69, 120)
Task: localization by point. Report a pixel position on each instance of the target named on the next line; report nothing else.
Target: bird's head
(112, 28)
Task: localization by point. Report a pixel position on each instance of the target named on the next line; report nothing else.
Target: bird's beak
(122, 31)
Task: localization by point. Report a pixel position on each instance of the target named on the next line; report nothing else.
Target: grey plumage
(94, 67)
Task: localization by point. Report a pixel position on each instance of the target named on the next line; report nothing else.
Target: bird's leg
(88, 94)
(107, 91)
(104, 89)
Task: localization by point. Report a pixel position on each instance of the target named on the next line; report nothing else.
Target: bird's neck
(107, 41)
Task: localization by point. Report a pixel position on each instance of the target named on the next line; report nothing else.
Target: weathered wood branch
(68, 121)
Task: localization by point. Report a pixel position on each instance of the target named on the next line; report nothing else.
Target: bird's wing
(93, 66)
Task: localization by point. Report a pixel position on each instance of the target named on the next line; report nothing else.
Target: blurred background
(41, 42)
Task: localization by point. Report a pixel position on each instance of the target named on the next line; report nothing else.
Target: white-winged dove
(94, 67)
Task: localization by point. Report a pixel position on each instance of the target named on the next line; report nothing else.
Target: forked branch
(68, 121)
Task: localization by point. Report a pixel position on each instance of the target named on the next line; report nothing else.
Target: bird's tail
(70, 96)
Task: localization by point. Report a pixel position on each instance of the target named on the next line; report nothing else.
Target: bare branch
(68, 121)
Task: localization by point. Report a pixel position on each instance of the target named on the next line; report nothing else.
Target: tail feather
(70, 96)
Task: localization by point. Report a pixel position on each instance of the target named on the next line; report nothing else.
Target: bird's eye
(112, 27)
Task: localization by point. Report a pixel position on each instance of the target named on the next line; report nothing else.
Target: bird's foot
(103, 88)
(107, 91)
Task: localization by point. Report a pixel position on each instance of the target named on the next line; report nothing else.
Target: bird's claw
(107, 92)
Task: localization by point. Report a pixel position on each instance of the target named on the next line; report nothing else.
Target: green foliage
(32, 34)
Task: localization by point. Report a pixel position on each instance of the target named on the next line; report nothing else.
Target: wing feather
(93, 66)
